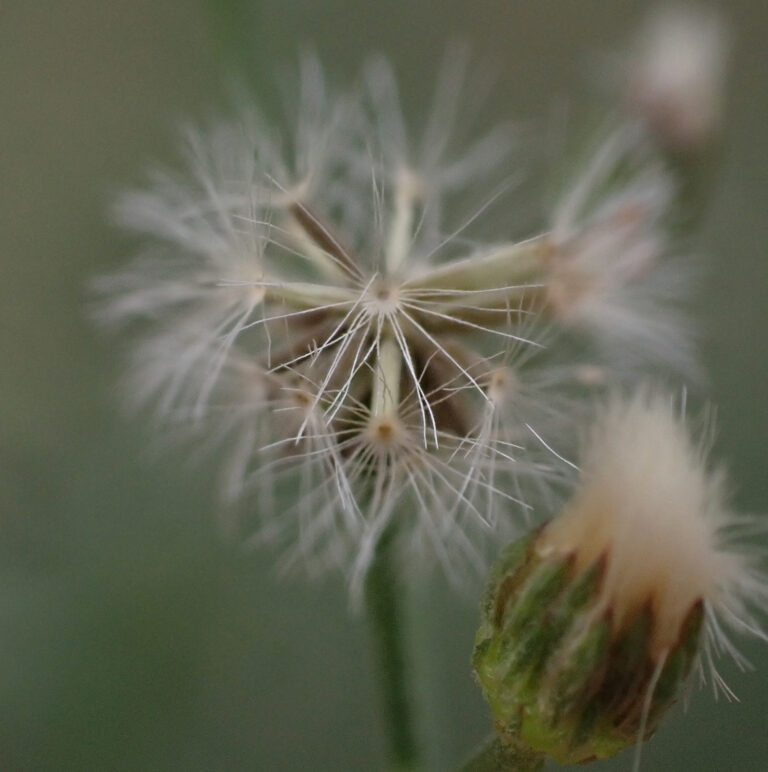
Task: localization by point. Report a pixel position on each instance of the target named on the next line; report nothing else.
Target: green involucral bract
(561, 676)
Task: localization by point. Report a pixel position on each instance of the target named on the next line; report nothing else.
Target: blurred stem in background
(384, 594)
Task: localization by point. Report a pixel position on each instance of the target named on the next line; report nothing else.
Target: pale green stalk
(384, 602)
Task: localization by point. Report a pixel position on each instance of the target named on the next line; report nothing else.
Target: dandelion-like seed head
(311, 305)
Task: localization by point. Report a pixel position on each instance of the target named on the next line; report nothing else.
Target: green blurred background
(131, 637)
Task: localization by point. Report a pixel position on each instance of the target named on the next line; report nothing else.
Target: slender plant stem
(495, 756)
(384, 596)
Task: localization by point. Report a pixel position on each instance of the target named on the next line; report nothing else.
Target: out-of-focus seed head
(676, 76)
(323, 308)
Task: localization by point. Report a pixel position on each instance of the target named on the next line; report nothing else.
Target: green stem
(495, 756)
(383, 595)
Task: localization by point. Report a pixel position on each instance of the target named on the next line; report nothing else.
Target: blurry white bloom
(677, 76)
(311, 303)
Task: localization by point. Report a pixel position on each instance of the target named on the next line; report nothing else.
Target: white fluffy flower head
(313, 304)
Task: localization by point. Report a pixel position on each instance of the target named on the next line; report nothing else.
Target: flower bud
(563, 672)
(591, 624)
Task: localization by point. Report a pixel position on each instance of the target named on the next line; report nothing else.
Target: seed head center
(384, 431)
(501, 385)
(383, 299)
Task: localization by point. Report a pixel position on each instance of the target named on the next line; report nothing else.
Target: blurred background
(131, 636)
